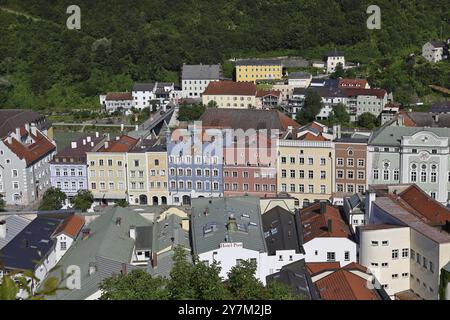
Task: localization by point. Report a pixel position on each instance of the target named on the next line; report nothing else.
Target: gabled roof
(315, 223)
(318, 267)
(14, 225)
(352, 83)
(264, 93)
(258, 62)
(280, 231)
(33, 152)
(438, 43)
(10, 119)
(71, 226)
(299, 75)
(227, 87)
(201, 72)
(123, 144)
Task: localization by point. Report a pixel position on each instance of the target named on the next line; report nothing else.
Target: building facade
(434, 51)
(229, 94)
(196, 78)
(254, 70)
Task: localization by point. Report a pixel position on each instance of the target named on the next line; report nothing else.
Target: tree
(339, 115)
(121, 203)
(189, 112)
(311, 108)
(276, 290)
(368, 121)
(212, 104)
(53, 199)
(137, 285)
(2, 204)
(83, 200)
(339, 72)
(243, 284)
(180, 286)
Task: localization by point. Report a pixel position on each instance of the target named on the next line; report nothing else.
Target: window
(405, 274)
(340, 162)
(425, 263)
(431, 267)
(323, 189)
(395, 276)
(385, 243)
(310, 161)
(374, 264)
(413, 176)
(423, 176)
(292, 174)
(283, 173)
(156, 162)
(310, 188)
(136, 163)
(63, 245)
(350, 174)
(311, 174)
(347, 255)
(433, 177)
(396, 174)
(302, 174)
(376, 173)
(350, 188)
(331, 256)
(301, 188)
(385, 265)
(323, 161)
(361, 175)
(361, 162)
(323, 175)
(292, 160)
(374, 243)
(419, 258)
(405, 253)
(340, 174)
(395, 254)
(100, 162)
(350, 162)
(283, 160)
(301, 160)
(340, 187)
(386, 175)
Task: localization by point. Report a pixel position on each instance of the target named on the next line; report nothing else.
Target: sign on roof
(231, 245)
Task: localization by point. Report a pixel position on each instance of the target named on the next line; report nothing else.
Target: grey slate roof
(440, 107)
(391, 136)
(280, 231)
(10, 119)
(299, 75)
(428, 119)
(295, 276)
(14, 225)
(258, 62)
(108, 246)
(210, 230)
(201, 72)
(144, 86)
(31, 245)
(144, 237)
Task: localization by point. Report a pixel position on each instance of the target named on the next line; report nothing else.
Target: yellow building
(230, 94)
(158, 175)
(107, 170)
(253, 70)
(305, 166)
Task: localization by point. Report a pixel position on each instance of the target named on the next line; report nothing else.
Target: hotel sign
(231, 245)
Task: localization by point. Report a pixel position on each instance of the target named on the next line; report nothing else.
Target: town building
(398, 155)
(326, 236)
(335, 58)
(353, 83)
(196, 78)
(268, 99)
(153, 95)
(194, 165)
(229, 94)
(235, 236)
(25, 156)
(305, 164)
(435, 51)
(68, 169)
(10, 119)
(354, 211)
(258, 69)
(108, 168)
(406, 243)
(299, 79)
(117, 101)
(351, 282)
(102, 250)
(350, 165)
(10, 226)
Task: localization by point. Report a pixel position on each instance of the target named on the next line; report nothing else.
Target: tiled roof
(315, 223)
(312, 137)
(10, 119)
(33, 152)
(115, 96)
(246, 119)
(71, 226)
(352, 83)
(226, 87)
(318, 267)
(83, 145)
(392, 135)
(437, 43)
(352, 92)
(345, 285)
(258, 62)
(299, 75)
(123, 144)
(263, 93)
(201, 72)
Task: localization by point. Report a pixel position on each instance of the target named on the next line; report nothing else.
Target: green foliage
(53, 199)
(312, 106)
(339, 72)
(83, 200)
(443, 284)
(2, 204)
(368, 121)
(189, 112)
(122, 203)
(194, 281)
(50, 67)
(339, 115)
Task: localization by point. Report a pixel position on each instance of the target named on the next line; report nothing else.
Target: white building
(354, 211)
(299, 79)
(333, 59)
(435, 51)
(151, 95)
(117, 101)
(196, 78)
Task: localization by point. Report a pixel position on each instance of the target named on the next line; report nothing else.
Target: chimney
(323, 207)
(330, 225)
(436, 118)
(92, 143)
(106, 144)
(89, 139)
(118, 221)
(339, 131)
(74, 145)
(154, 260)
(124, 270)
(3, 229)
(133, 232)
(92, 268)
(97, 134)
(86, 233)
(232, 224)
(9, 139)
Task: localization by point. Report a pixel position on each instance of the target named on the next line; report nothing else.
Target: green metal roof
(391, 136)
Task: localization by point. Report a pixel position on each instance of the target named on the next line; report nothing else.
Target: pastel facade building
(231, 95)
(117, 101)
(254, 70)
(196, 78)
(68, 169)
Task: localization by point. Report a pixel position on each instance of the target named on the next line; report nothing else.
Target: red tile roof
(263, 93)
(227, 87)
(312, 137)
(114, 96)
(33, 152)
(318, 267)
(355, 266)
(407, 120)
(422, 205)
(352, 83)
(345, 285)
(71, 226)
(315, 224)
(123, 144)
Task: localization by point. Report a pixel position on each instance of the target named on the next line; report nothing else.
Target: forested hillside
(45, 66)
